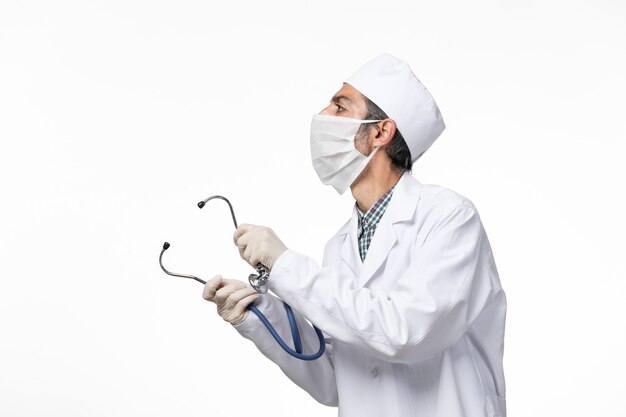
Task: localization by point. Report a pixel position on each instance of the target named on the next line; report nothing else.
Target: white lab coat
(415, 330)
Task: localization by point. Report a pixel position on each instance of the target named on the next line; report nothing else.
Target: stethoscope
(258, 281)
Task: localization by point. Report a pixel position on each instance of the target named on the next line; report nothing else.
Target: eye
(339, 108)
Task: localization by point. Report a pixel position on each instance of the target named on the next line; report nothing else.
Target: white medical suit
(417, 329)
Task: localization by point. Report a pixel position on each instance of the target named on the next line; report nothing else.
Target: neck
(373, 183)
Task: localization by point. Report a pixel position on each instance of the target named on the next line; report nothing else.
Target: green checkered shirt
(369, 220)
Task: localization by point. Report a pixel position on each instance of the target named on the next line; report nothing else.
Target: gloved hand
(258, 245)
(231, 297)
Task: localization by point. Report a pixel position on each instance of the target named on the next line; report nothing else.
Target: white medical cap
(390, 83)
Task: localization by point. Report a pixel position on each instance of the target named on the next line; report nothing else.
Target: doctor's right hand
(231, 297)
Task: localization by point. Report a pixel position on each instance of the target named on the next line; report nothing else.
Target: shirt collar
(373, 215)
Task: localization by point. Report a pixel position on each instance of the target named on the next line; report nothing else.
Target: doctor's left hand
(231, 297)
(258, 245)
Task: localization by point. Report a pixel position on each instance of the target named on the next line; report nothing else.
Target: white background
(116, 117)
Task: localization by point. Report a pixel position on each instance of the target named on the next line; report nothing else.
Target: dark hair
(397, 149)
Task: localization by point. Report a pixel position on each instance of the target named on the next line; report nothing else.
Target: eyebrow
(340, 98)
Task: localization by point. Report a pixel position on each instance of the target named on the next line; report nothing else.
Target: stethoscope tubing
(294, 331)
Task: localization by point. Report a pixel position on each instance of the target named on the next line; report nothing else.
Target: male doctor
(408, 294)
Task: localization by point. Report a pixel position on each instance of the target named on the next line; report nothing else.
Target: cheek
(360, 141)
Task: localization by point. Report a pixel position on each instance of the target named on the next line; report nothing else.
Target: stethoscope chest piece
(259, 281)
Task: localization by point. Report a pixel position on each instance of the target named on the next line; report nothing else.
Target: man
(408, 294)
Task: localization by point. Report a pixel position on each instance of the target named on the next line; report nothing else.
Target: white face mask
(335, 159)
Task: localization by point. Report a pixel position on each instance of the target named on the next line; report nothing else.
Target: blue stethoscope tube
(295, 333)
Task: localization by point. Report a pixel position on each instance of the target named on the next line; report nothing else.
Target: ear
(385, 131)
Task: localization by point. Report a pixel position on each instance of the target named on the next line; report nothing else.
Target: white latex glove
(231, 297)
(258, 245)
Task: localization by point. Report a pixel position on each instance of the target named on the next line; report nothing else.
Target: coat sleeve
(450, 279)
(315, 377)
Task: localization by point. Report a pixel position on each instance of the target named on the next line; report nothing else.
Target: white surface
(117, 117)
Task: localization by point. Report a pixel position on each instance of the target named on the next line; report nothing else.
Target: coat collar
(401, 208)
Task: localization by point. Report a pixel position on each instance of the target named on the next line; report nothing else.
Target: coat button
(375, 371)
